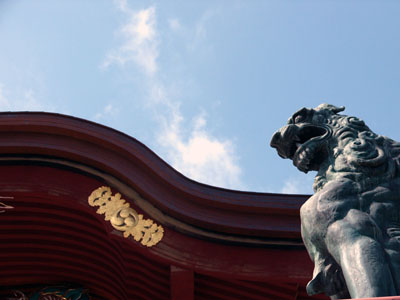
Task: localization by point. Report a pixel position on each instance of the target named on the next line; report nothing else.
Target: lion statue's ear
(329, 107)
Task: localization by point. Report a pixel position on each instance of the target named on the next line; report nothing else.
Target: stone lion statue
(351, 225)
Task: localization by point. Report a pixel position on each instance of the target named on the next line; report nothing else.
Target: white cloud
(108, 111)
(174, 24)
(122, 5)
(199, 35)
(199, 155)
(26, 101)
(140, 44)
(299, 185)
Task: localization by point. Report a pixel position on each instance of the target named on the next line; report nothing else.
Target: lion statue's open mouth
(304, 143)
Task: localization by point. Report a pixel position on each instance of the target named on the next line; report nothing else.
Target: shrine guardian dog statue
(351, 225)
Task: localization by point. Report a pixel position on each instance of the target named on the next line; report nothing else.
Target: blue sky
(204, 84)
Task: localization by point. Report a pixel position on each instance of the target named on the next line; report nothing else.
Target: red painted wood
(53, 235)
(182, 284)
(49, 200)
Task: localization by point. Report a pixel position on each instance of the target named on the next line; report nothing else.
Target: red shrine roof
(196, 241)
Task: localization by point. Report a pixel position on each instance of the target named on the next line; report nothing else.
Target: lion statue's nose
(277, 142)
(276, 138)
(282, 141)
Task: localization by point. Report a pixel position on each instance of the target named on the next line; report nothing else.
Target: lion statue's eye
(299, 118)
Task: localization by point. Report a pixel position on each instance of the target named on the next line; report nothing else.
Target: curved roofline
(151, 152)
(67, 138)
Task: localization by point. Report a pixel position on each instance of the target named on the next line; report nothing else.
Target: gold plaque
(124, 218)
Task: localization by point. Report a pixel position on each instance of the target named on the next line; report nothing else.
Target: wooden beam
(182, 283)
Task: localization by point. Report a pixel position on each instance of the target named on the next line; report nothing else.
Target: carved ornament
(124, 218)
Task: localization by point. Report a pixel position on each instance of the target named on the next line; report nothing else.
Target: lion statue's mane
(357, 153)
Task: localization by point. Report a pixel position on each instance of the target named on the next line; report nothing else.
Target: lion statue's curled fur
(351, 225)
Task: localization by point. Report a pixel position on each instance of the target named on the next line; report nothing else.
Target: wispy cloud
(297, 185)
(199, 34)
(174, 24)
(122, 5)
(140, 43)
(198, 154)
(25, 101)
(108, 111)
(188, 145)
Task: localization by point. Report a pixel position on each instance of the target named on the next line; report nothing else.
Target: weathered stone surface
(351, 225)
